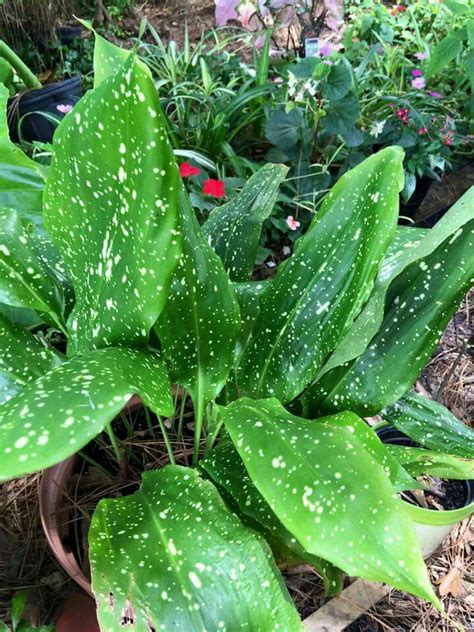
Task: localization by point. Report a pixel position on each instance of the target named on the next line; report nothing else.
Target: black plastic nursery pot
(29, 113)
(66, 34)
(431, 526)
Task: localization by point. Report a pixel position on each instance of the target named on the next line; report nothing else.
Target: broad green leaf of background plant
(418, 461)
(64, 409)
(21, 180)
(408, 246)
(431, 424)
(329, 492)
(234, 229)
(227, 471)
(322, 287)
(444, 52)
(173, 557)
(22, 358)
(25, 279)
(420, 302)
(111, 207)
(200, 322)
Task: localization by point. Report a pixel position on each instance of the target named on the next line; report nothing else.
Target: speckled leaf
(227, 471)
(200, 322)
(408, 246)
(64, 409)
(234, 229)
(25, 279)
(329, 492)
(248, 296)
(173, 557)
(418, 461)
(107, 56)
(431, 424)
(22, 359)
(111, 208)
(21, 180)
(320, 290)
(420, 302)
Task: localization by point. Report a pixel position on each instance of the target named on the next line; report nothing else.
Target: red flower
(398, 9)
(186, 170)
(214, 188)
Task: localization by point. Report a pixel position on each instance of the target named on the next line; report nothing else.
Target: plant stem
(198, 419)
(167, 440)
(181, 415)
(211, 439)
(113, 441)
(148, 422)
(91, 461)
(29, 79)
(126, 423)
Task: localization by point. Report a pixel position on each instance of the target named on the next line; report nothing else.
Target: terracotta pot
(54, 512)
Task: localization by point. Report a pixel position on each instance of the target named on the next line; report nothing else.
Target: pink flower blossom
(419, 83)
(64, 108)
(421, 56)
(422, 131)
(434, 94)
(325, 49)
(448, 138)
(416, 73)
(293, 224)
(402, 114)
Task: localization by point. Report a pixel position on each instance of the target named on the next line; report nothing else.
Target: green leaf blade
(112, 209)
(320, 290)
(234, 229)
(26, 281)
(60, 412)
(200, 322)
(145, 561)
(329, 492)
(431, 424)
(22, 359)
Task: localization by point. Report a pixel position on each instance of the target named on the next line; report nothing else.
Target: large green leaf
(431, 424)
(444, 52)
(226, 469)
(64, 409)
(173, 557)
(111, 206)
(200, 322)
(329, 492)
(21, 180)
(419, 304)
(408, 246)
(234, 229)
(107, 56)
(22, 359)
(319, 291)
(419, 461)
(25, 279)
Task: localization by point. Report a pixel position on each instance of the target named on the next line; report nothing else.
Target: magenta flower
(422, 131)
(64, 108)
(416, 73)
(421, 56)
(293, 224)
(434, 94)
(419, 83)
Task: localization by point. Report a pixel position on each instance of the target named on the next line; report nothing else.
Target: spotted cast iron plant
(103, 252)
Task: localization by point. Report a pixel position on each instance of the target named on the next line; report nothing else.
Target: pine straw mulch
(27, 564)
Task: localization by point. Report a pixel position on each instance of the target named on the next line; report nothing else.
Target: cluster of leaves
(18, 623)
(104, 253)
